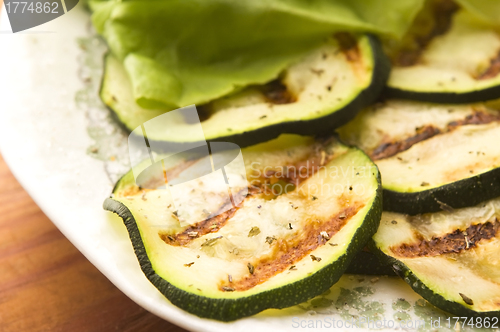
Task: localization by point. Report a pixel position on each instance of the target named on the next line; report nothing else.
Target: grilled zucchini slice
(275, 249)
(448, 56)
(431, 157)
(323, 91)
(452, 259)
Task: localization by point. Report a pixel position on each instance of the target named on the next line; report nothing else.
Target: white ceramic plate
(62, 146)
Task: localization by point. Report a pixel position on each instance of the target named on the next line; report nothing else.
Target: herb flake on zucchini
(322, 91)
(431, 157)
(448, 56)
(277, 249)
(452, 259)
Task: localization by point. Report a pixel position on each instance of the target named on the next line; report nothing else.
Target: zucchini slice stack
(452, 258)
(440, 166)
(439, 160)
(431, 156)
(321, 92)
(307, 206)
(448, 56)
(312, 204)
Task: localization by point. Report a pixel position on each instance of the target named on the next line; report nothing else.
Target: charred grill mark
(155, 181)
(434, 20)
(455, 242)
(286, 253)
(306, 170)
(389, 149)
(350, 49)
(253, 190)
(475, 119)
(302, 170)
(348, 46)
(212, 224)
(277, 93)
(297, 173)
(493, 69)
(174, 172)
(209, 225)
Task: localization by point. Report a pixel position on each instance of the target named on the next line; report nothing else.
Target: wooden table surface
(46, 284)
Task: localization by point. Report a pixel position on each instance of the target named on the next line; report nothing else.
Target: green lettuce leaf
(182, 52)
(488, 10)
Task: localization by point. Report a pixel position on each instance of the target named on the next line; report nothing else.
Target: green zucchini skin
(420, 288)
(232, 309)
(435, 299)
(459, 194)
(320, 126)
(367, 263)
(444, 97)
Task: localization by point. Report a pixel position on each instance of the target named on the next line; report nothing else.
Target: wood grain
(46, 284)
